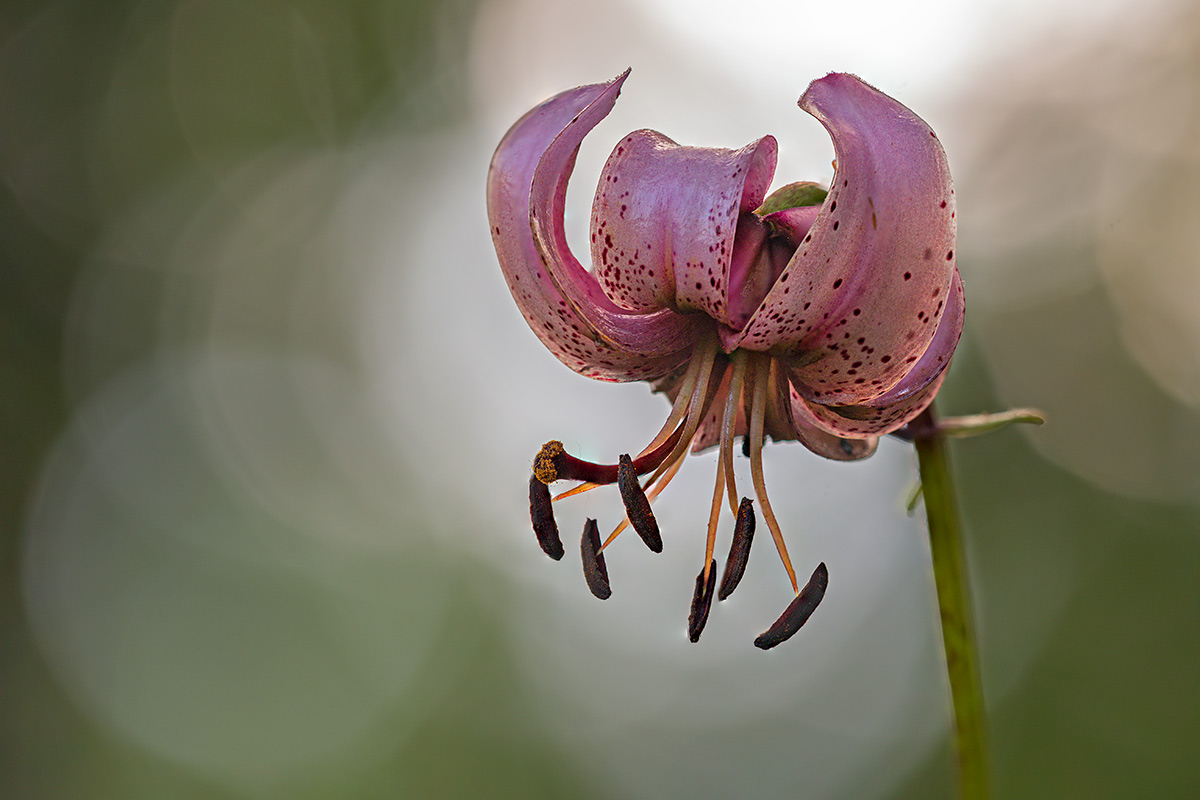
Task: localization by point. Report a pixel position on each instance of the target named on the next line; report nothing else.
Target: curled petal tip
(860, 300)
(561, 301)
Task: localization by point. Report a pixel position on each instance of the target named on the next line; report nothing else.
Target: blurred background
(267, 410)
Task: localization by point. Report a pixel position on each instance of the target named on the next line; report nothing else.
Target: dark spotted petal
(861, 298)
(561, 301)
(904, 401)
(665, 220)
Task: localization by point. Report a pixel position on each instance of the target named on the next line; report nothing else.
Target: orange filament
(697, 406)
(757, 413)
(729, 425)
(714, 516)
(580, 489)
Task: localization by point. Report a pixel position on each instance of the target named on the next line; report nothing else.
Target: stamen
(594, 569)
(541, 512)
(686, 387)
(714, 515)
(757, 413)
(702, 600)
(553, 463)
(654, 491)
(702, 397)
(739, 550)
(637, 507)
(580, 489)
(729, 424)
(798, 612)
(670, 428)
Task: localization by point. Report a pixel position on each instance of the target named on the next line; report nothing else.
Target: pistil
(662, 455)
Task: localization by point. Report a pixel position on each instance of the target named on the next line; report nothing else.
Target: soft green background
(227, 571)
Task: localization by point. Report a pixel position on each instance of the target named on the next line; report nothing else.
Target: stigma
(717, 398)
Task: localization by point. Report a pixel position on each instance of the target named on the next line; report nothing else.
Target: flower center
(761, 251)
(717, 397)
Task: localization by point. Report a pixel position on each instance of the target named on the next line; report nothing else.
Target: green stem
(954, 603)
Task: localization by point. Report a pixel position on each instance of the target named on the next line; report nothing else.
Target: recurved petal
(560, 300)
(861, 294)
(908, 398)
(931, 365)
(822, 432)
(665, 218)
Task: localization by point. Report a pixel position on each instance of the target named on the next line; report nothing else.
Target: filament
(757, 413)
(714, 515)
(697, 406)
(729, 424)
(680, 406)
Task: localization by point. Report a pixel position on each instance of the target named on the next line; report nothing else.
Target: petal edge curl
(561, 301)
(666, 218)
(884, 241)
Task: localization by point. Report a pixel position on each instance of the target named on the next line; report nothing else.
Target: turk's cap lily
(827, 316)
(858, 298)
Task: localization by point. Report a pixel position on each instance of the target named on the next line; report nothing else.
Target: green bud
(794, 195)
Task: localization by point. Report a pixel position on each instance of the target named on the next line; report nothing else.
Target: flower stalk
(954, 604)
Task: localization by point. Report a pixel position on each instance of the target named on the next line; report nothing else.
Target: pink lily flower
(827, 317)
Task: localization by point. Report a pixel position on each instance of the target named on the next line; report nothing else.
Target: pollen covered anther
(594, 569)
(798, 612)
(541, 513)
(637, 506)
(739, 550)
(702, 600)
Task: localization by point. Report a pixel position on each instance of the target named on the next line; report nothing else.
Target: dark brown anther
(637, 506)
(541, 512)
(796, 614)
(739, 551)
(702, 601)
(593, 561)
